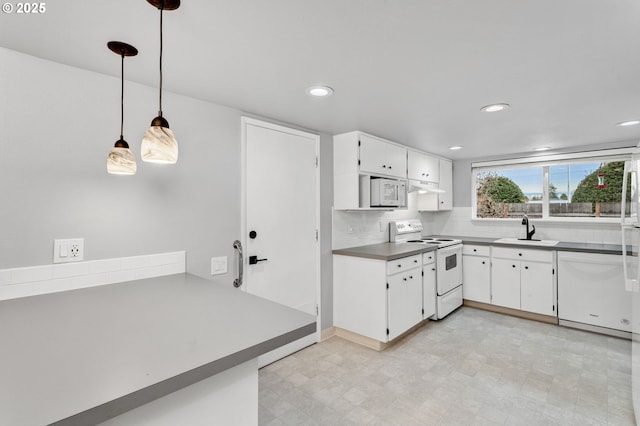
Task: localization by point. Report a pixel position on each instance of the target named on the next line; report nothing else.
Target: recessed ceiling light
(319, 91)
(455, 148)
(629, 123)
(542, 148)
(494, 107)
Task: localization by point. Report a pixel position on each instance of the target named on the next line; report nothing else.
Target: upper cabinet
(423, 167)
(443, 198)
(358, 157)
(381, 157)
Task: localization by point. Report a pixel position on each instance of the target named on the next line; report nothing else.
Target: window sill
(613, 221)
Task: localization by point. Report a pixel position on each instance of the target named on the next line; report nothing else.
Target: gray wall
(59, 123)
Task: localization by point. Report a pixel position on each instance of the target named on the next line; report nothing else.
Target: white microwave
(388, 193)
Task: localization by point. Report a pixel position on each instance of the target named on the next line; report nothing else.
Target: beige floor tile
(472, 368)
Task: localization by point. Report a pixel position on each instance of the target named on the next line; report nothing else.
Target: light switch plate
(218, 265)
(68, 250)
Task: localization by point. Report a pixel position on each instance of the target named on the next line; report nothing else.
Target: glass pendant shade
(121, 160)
(159, 144)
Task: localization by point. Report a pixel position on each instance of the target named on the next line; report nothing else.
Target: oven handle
(445, 251)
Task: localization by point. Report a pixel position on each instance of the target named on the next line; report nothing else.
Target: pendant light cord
(160, 95)
(122, 97)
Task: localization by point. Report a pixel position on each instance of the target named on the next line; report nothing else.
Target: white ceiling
(413, 71)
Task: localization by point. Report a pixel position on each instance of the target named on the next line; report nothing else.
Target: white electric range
(448, 262)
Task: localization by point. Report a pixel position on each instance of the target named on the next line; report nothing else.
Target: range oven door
(449, 265)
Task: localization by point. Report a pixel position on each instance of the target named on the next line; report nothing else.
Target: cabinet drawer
(428, 257)
(522, 254)
(403, 264)
(475, 250)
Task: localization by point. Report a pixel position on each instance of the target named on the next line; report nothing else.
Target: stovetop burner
(408, 231)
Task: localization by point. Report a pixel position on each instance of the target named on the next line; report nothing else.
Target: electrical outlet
(218, 265)
(68, 250)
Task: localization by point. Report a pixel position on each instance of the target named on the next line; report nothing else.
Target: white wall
(58, 124)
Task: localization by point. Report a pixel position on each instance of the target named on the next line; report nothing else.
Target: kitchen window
(555, 187)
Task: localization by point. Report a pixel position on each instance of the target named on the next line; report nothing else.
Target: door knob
(254, 259)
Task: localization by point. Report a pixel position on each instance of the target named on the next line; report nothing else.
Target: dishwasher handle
(238, 246)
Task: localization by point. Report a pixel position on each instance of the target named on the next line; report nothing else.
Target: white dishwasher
(591, 290)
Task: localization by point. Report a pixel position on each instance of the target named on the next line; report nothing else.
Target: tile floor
(473, 368)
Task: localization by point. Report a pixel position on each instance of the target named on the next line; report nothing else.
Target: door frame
(243, 201)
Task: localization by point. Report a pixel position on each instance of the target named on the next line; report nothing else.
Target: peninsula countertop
(83, 356)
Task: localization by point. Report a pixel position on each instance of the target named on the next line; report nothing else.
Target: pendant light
(121, 160)
(159, 144)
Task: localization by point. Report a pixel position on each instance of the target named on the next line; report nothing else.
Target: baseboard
(327, 333)
(373, 343)
(513, 312)
(370, 343)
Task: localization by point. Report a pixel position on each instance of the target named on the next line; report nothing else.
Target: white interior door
(281, 219)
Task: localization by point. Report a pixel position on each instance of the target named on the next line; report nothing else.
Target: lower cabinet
(404, 300)
(428, 285)
(476, 273)
(378, 299)
(523, 279)
(505, 285)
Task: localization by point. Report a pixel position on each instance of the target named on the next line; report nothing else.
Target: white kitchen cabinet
(505, 283)
(381, 157)
(443, 200)
(423, 167)
(404, 301)
(591, 290)
(375, 298)
(358, 156)
(523, 279)
(428, 284)
(536, 288)
(476, 273)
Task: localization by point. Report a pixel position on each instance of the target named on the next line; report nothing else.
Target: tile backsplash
(33, 280)
(357, 228)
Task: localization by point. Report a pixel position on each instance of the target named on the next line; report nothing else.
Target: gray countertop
(384, 251)
(80, 357)
(391, 251)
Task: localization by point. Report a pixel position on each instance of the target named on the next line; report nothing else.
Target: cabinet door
(380, 157)
(422, 167)
(404, 302)
(429, 291)
(505, 283)
(536, 287)
(445, 199)
(476, 278)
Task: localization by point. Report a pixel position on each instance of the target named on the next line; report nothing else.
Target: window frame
(546, 161)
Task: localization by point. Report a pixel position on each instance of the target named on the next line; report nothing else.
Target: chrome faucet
(525, 221)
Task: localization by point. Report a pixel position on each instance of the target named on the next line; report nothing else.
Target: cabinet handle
(399, 266)
(475, 249)
(410, 277)
(384, 166)
(483, 262)
(526, 267)
(513, 266)
(389, 167)
(415, 261)
(519, 254)
(433, 269)
(404, 279)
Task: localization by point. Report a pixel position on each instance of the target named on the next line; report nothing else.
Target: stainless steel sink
(527, 242)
